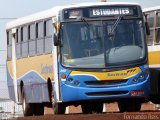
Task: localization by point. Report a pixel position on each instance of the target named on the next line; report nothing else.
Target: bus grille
(105, 82)
(106, 93)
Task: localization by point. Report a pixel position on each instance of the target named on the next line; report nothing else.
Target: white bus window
(32, 47)
(49, 28)
(40, 30)
(24, 49)
(48, 36)
(32, 29)
(40, 40)
(18, 42)
(150, 19)
(40, 46)
(9, 45)
(157, 29)
(18, 50)
(25, 42)
(32, 42)
(9, 53)
(25, 33)
(150, 38)
(48, 45)
(157, 40)
(158, 19)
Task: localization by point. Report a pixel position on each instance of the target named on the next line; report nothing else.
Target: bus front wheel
(129, 106)
(92, 107)
(86, 108)
(97, 107)
(59, 108)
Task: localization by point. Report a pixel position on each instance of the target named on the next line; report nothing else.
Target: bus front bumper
(76, 93)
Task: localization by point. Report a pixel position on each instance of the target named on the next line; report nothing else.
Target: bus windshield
(99, 44)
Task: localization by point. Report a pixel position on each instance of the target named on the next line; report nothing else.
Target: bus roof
(53, 11)
(33, 17)
(151, 9)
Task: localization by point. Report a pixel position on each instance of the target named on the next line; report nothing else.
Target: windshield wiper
(111, 35)
(84, 20)
(115, 25)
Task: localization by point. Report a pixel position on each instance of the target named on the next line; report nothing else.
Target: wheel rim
(53, 104)
(24, 104)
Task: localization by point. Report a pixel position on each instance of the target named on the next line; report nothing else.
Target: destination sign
(100, 11)
(110, 12)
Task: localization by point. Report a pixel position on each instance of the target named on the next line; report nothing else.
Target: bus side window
(158, 19)
(9, 45)
(18, 42)
(157, 36)
(25, 42)
(158, 28)
(40, 38)
(48, 36)
(150, 20)
(32, 42)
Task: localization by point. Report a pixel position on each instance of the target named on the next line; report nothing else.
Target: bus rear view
(102, 57)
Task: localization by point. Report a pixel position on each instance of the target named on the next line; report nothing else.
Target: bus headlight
(70, 80)
(135, 80)
(139, 78)
(76, 82)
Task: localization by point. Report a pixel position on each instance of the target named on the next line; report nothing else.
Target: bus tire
(122, 106)
(129, 106)
(97, 107)
(27, 107)
(38, 109)
(155, 99)
(87, 108)
(59, 108)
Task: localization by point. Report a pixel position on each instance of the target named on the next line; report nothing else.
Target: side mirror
(147, 28)
(56, 40)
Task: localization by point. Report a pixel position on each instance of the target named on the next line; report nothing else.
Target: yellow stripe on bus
(41, 64)
(115, 75)
(154, 57)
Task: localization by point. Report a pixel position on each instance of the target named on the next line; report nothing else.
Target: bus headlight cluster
(135, 80)
(140, 77)
(75, 82)
(70, 80)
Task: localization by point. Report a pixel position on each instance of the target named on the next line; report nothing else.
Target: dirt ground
(112, 107)
(148, 112)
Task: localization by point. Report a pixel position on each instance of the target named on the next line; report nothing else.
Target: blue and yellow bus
(86, 54)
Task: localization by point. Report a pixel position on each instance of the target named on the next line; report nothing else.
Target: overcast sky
(19, 8)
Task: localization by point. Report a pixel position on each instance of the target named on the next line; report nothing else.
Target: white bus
(85, 54)
(152, 16)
